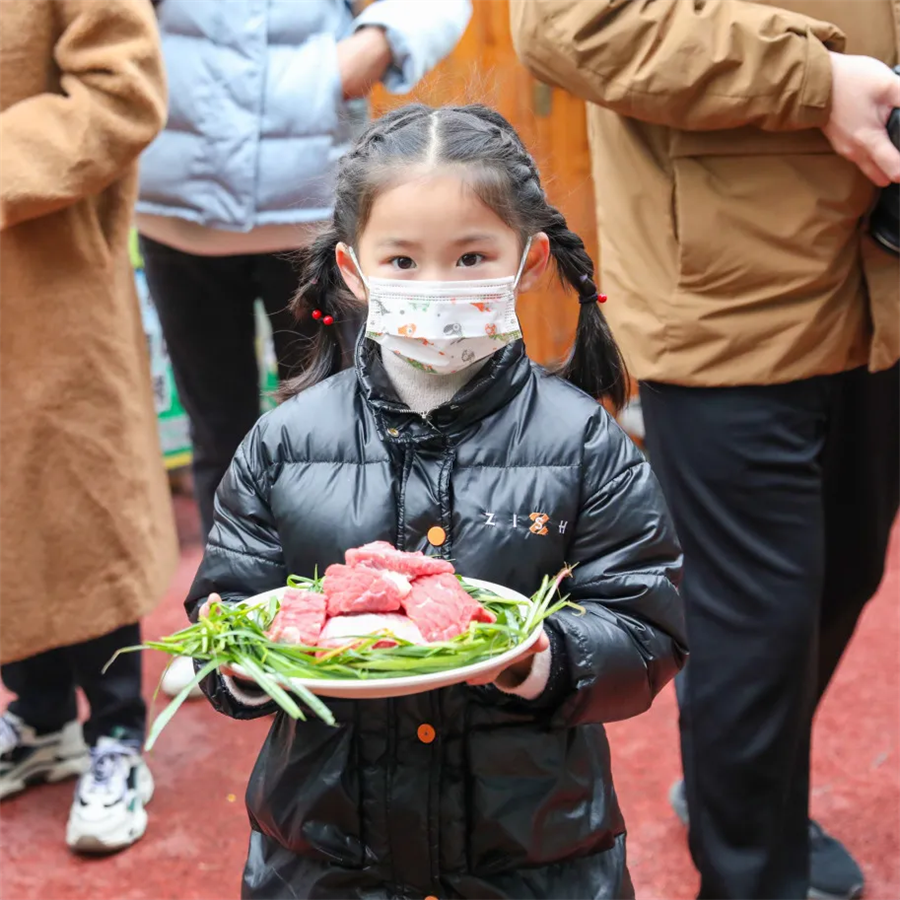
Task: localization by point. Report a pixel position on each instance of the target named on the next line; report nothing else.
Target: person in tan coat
(87, 541)
(737, 149)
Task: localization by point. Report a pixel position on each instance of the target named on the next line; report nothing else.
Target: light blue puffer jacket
(257, 122)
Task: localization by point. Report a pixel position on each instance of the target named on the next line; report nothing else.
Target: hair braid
(594, 362)
(322, 286)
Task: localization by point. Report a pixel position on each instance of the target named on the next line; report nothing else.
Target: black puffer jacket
(513, 798)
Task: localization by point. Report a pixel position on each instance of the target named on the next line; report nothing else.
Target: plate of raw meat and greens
(385, 623)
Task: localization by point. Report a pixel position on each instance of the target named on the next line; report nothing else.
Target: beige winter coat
(733, 238)
(87, 540)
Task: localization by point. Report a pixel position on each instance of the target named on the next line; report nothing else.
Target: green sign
(265, 354)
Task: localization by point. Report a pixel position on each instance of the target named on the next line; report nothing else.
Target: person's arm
(419, 35)
(630, 640)
(696, 65)
(363, 58)
(56, 149)
(243, 558)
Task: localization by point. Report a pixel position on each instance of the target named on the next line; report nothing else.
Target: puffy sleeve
(695, 65)
(630, 639)
(420, 35)
(243, 558)
(57, 148)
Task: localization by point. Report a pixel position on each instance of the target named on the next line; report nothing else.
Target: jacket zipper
(406, 467)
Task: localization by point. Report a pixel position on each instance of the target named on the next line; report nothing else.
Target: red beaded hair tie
(589, 292)
(319, 316)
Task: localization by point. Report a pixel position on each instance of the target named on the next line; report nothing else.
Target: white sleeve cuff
(533, 686)
(420, 35)
(256, 698)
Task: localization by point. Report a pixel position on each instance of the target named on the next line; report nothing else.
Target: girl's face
(435, 228)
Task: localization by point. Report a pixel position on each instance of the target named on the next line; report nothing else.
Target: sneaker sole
(98, 844)
(60, 771)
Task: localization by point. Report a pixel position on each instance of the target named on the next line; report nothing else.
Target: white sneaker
(108, 811)
(178, 676)
(27, 758)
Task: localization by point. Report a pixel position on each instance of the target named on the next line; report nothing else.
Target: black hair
(494, 162)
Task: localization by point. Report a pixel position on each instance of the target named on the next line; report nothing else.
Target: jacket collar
(495, 386)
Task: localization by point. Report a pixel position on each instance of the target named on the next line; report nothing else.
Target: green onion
(235, 635)
(163, 718)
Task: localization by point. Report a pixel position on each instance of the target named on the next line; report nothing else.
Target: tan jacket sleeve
(696, 65)
(56, 149)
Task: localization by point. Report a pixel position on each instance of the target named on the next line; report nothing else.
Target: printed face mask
(443, 326)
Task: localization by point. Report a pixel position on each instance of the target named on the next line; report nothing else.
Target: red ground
(194, 847)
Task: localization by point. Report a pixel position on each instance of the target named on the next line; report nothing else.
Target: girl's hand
(208, 603)
(517, 671)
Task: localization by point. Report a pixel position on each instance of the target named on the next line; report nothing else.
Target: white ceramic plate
(380, 688)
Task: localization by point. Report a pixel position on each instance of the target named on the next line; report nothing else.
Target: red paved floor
(195, 844)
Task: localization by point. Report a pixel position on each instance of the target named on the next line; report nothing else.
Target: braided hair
(501, 171)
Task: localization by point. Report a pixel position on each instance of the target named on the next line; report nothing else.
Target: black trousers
(45, 684)
(783, 497)
(205, 306)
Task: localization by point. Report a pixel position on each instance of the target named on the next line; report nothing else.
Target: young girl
(445, 437)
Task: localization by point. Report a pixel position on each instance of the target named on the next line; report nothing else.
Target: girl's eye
(403, 262)
(467, 260)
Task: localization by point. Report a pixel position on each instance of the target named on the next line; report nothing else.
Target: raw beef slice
(381, 555)
(351, 589)
(300, 618)
(442, 609)
(339, 631)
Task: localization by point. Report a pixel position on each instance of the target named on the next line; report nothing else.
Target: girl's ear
(349, 272)
(536, 262)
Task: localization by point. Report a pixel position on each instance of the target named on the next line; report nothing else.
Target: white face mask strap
(521, 263)
(362, 277)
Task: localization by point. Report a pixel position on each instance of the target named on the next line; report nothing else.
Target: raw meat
(442, 609)
(360, 589)
(300, 619)
(381, 555)
(415, 597)
(339, 630)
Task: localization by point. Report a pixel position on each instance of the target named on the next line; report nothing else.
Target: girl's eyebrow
(398, 243)
(402, 244)
(476, 239)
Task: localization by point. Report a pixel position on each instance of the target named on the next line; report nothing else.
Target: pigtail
(323, 296)
(595, 362)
